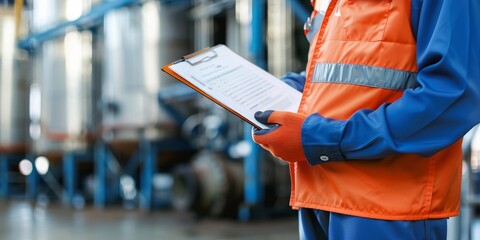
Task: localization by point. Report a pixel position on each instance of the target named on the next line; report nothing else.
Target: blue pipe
(90, 19)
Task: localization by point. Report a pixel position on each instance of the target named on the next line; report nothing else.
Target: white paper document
(236, 84)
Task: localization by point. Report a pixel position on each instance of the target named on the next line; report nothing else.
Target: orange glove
(284, 139)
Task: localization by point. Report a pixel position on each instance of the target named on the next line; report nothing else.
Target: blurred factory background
(97, 143)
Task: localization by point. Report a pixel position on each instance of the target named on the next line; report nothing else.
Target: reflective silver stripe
(364, 75)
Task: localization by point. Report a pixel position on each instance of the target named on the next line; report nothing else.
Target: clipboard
(207, 56)
(197, 58)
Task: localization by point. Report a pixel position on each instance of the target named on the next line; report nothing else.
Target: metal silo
(13, 87)
(61, 95)
(137, 41)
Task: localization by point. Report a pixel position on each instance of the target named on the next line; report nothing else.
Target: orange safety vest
(373, 39)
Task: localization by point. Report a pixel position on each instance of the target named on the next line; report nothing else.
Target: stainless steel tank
(138, 41)
(13, 87)
(280, 38)
(61, 94)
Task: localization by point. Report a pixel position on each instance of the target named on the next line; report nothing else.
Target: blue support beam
(300, 12)
(148, 170)
(70, 172)
(146, 157)
(100, 158)
(253, 188)
(253, 193)
(33, 179)
(149, 150)
(69, 176)
(89, 20)
(257, 44)
(4, 176)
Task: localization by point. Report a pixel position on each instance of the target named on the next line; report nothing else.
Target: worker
(390, 88)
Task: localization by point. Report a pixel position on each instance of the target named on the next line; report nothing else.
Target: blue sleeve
(295, 80)
(425, 119)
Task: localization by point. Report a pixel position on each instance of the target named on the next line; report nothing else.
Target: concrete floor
(20, 220)
(25, 221)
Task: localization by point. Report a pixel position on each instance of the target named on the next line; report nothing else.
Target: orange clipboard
(192, 59)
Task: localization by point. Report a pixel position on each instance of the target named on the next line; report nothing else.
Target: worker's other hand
(284, 139)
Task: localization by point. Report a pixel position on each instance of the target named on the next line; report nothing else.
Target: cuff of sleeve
(321, 139)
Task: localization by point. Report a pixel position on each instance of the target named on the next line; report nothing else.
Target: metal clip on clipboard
(202, 56)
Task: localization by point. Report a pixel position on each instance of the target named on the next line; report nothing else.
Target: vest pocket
(366, 20)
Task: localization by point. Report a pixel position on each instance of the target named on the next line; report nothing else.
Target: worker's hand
(284, 139)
